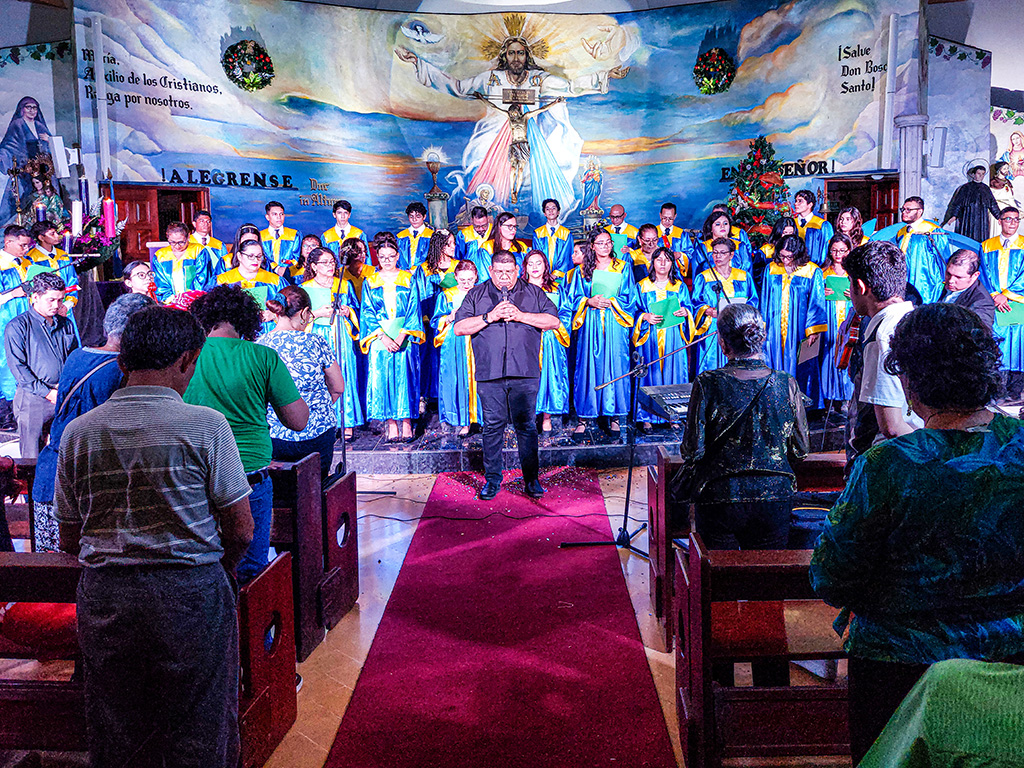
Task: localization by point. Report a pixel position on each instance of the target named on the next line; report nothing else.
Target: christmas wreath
(247, 64)
(714, 72)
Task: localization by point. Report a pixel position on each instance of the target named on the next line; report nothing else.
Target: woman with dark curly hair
(240, 379)
(793, 305)
(924, 551)
(604, 303)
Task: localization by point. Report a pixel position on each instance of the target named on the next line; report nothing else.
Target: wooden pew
(306, 523)
(659, 538)
(49, 715)
(718, 722)
(819, 472)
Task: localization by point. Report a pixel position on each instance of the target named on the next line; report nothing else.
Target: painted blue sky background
(344, 110)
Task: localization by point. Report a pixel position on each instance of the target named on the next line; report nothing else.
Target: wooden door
(885, 201)
(139, 205)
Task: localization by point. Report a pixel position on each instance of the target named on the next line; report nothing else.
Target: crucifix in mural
(526, 148)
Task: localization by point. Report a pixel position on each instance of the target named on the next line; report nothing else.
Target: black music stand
(624, 538)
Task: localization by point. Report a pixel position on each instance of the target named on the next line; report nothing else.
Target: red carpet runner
(499, 649)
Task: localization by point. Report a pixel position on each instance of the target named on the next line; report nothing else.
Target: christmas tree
(759, 194)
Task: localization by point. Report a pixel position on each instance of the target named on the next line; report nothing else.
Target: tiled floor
(387, 522)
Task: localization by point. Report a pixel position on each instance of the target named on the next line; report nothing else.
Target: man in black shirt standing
(506, 316)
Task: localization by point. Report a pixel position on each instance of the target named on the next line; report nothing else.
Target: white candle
(76, 217)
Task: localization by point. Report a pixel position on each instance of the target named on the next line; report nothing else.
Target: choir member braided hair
(385, 239)
(290, 301)
(948, 357)
(547, 280)
(742, 330)
(435, 250)
(229, 304)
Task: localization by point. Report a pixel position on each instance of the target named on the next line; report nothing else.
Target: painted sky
(345, 110)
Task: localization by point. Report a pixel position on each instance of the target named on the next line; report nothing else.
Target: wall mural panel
(327, 102)
(35, 105)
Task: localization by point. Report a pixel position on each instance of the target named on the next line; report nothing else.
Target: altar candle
(67, 241)
(109, 218)
(83, 192)
(40, 207)
(76, 217)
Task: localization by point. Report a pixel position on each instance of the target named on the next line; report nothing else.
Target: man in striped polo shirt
(152, 498)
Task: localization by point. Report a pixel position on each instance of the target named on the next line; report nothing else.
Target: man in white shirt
(878, 408)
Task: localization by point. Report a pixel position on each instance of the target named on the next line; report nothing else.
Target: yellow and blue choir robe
(556, 246)
(793, 307)
(654, 342)
(412, 249)
(342, 335)
(626, 229)
(428, 286)
(357, 281)
(553, 388)
(835, 384)
(738, 286)
(815, 232)
(59, 261)
(1002, 271)
(282, 250)
(263, 277)
(332, 240)
(466, 240)
(927, 249)
(216, 253)
(738, 233)
(741, 257)
(393, 379)
(675, 240)
(13, 273)
(602, 345)
(173, 276)
(458, 403)
(486, 251)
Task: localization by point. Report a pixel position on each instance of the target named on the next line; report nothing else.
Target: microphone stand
(624, 538)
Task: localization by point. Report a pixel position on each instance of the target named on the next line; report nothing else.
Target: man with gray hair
(37, 342)
(962, 286)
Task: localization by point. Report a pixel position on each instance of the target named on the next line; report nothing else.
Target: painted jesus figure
(554, 144)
